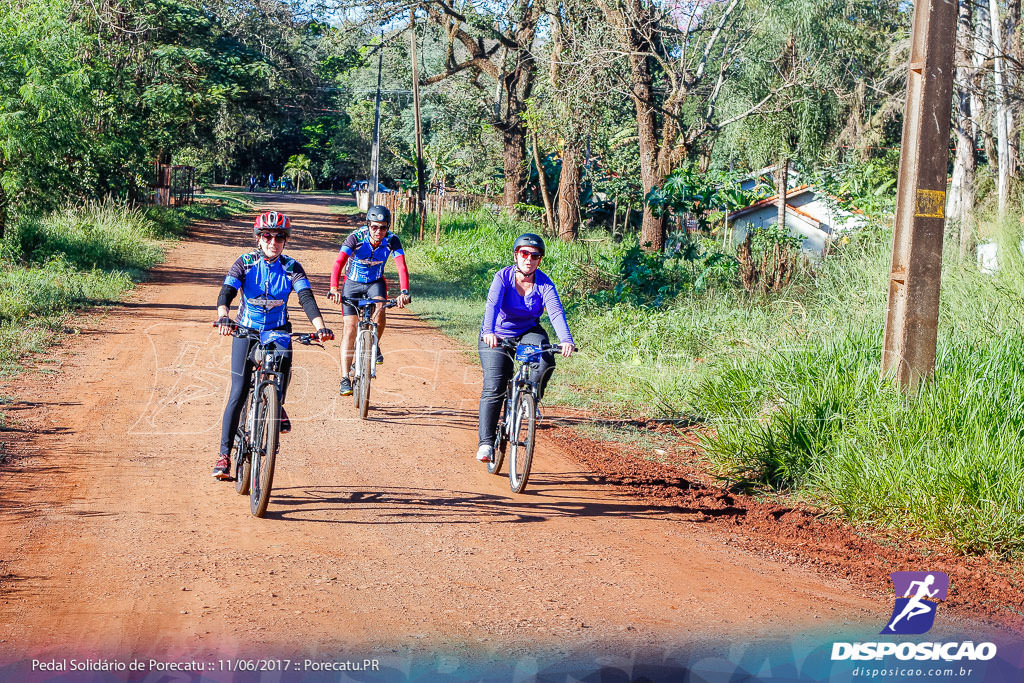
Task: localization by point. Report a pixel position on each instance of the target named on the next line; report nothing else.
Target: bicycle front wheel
(268, 424)
(365, 369)
(520, 456)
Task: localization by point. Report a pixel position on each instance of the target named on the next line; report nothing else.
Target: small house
(810, 215)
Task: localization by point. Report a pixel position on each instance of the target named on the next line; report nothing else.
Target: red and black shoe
(286, 424)
(222, 470)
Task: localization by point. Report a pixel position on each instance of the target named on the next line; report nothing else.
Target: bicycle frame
(521, 380)
(366, 321)
(261, 376)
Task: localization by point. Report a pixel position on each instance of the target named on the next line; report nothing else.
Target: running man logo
(921, 593)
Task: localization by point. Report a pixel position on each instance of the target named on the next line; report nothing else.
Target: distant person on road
(270, 182)
(518, 296)
(252, 182)
(366, 251)
(266, 278)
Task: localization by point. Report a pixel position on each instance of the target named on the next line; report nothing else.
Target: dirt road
(383, 536)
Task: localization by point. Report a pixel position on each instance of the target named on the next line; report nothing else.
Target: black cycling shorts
(362, 290)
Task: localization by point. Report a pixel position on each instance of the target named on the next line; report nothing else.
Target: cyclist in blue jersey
(266, 278)
(366, 251)
(518, 296)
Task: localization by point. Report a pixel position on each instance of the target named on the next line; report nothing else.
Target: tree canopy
(594, 104)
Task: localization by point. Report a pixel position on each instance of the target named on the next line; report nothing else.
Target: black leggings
(241, 375)
(498, 367)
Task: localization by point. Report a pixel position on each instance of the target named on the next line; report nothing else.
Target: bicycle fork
(357, 356)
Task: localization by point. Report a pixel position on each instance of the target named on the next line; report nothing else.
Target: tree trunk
(1002, 134)
(635, 39)
(3, 197)
(1011, 81)
(781, 189)
(961, 191)
(542, 180)
(982, 51)
(652, 228)
(515, 161)
(569, 193)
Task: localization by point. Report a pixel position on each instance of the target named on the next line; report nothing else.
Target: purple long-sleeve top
(509, 314)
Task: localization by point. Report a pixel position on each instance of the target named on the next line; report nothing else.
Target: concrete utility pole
(912, 320)
(375, 150)
(421, 189)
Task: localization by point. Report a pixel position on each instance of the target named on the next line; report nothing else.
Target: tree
(495, 40)
(44, 102)
(297, 168)
(679, 59)
(961, 189)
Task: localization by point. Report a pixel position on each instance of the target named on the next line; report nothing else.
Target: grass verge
(80, 257)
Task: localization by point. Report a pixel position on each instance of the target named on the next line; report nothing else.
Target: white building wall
(813, 238)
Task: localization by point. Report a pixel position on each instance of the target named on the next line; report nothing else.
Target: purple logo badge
(917, 597)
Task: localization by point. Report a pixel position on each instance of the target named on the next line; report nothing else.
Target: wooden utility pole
(911, 325)
(421, 189)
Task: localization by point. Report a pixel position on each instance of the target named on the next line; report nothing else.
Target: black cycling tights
(498, 369)
(241, 374)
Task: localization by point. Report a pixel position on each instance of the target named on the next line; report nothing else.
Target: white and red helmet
(272, 220)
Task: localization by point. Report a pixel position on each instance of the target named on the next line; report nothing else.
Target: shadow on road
(547, 500)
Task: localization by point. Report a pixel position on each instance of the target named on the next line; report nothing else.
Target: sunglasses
(378, 226)
(532, 255)
(273, 237)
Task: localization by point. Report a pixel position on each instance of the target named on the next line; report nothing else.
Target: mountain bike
(256, 439)
(517, 426)
(364, 362)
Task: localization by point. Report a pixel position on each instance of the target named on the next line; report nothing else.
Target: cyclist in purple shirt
(518, 297)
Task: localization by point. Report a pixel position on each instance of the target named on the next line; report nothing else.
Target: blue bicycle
(364, 362)
(517, 426)
(257, 437)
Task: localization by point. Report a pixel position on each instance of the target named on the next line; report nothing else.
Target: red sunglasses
(532, 255)
(273, 236)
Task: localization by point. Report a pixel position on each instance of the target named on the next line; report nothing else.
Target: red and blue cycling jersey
(366, 262)
(265, 288)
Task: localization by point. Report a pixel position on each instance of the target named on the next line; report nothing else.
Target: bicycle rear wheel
(366, 361)
(243, 471)
(268, 423)
(524, 427)
(241, 450)
(500, 440)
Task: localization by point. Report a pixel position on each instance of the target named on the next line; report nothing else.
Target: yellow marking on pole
(931, 204)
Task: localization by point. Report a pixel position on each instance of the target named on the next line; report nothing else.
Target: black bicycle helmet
(529, 239)
(378, 214)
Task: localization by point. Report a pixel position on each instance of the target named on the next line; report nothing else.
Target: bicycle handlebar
(506, 344)
(360, 303)
(243, 332)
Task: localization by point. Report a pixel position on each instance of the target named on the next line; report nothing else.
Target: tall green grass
(815, 418)
(788, 385)
(80, 256)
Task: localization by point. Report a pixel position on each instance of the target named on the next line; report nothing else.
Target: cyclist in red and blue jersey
(266, 278)
(366, 251)
(518, 297)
